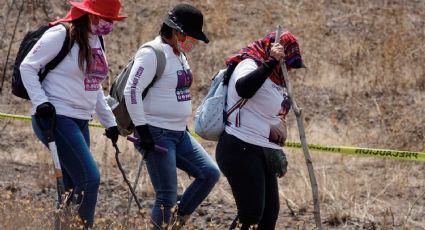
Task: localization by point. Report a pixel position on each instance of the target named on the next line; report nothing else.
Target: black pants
(255, 191)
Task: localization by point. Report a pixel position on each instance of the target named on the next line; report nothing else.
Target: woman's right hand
(277, 51)
(45, 111)
(146, 140)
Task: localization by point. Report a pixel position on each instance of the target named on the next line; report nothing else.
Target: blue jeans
(185, 153)
(80, 173)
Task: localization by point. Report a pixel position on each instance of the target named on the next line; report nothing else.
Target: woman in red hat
(249, 152)
(72, 92)
(161, 118)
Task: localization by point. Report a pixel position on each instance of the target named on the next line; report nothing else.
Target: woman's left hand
(277, 51)
(112, 133)
(278, 133)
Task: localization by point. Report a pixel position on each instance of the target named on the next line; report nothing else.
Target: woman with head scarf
(161, 118)
(255, 132)
(72, 92)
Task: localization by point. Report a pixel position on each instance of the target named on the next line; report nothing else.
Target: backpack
(116, 99)
(211, 115)
(30, 39)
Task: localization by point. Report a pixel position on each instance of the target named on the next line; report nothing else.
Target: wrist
(143, 130)
(270, 63)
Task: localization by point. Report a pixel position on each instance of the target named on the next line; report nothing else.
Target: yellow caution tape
(28, 118)
(385, 153)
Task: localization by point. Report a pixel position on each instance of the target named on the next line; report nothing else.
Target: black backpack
(30, 39)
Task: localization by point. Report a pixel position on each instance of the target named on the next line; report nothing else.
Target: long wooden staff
(300, 124)
(60, 185)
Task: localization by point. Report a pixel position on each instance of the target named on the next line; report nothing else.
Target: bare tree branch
(10, 45)
(6, 21)
(47, 9)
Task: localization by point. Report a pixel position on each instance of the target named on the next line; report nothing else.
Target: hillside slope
(364, 86)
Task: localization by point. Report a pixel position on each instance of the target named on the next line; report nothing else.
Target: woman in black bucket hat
(161, 118)
(188, 20)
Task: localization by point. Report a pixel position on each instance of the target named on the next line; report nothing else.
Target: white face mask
(103, 27)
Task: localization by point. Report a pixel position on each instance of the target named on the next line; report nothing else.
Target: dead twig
(47, 8)
(6, 21)
(292, 206)
(411, 208)
(105, 168)
(10, 45)
(136, 182)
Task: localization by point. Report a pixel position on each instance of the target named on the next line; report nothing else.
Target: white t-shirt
(259, 113)
(73, 92)
(168, 102)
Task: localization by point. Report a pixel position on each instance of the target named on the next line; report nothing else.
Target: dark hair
(79, 33)
(166, 31)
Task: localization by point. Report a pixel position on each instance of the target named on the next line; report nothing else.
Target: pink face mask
(187, 45)
(102, 28)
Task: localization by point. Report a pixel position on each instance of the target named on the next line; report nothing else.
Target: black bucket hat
(187, 19)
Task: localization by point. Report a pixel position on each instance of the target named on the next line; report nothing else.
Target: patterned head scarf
(259, 51)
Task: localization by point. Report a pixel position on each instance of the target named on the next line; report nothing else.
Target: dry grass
(364, 87)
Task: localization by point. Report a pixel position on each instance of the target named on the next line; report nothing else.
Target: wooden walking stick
(117, 159)
(300, 124)
(134, 187)
(60, 185)
(136, 182)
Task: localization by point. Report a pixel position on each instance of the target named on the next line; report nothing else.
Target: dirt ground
(364, 87)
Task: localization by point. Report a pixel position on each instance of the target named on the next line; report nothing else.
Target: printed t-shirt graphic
(134, 85)
(184, 81)
(284, 109)
(96, 71)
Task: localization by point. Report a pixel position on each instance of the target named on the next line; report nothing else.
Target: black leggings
(255, 191)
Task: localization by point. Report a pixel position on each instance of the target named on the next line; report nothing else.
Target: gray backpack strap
(117, 100)
(160, 61)
(118, 86)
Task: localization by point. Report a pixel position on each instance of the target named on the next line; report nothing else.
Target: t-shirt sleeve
(248, 84)
(47, 48)
(103, 111)
(141, 75)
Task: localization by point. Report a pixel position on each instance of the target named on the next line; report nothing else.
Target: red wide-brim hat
(103, 8)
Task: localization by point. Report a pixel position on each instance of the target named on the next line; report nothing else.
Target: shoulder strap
(240, 103)
(102, 43)
(61, 55)
(229, 71)
(160, 62)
